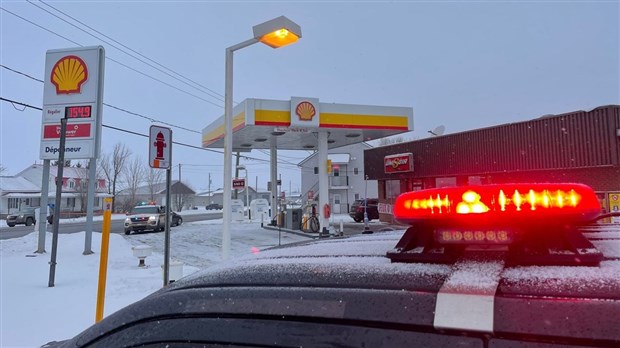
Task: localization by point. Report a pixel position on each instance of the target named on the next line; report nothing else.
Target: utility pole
(179, 172)
(237, 174)
(210, 197)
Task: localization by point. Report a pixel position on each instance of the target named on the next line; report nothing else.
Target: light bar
(471, 237)
(497, 203)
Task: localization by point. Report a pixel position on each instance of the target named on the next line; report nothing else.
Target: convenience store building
(580, 146)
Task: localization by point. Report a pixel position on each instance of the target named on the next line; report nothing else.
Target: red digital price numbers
(78, 111)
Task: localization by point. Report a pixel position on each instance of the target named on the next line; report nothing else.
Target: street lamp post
(247, 185)
(275, 33)
(366, 227)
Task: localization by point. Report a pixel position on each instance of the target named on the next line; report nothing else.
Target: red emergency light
(532, 223)
(499, 204)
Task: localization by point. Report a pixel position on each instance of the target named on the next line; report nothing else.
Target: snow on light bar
(573, 202)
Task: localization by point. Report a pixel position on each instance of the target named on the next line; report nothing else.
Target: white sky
(461, 64)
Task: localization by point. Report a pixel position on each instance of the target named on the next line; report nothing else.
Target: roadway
(349, 227)
(73, 227)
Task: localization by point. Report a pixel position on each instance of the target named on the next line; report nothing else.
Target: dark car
(345, 292)
(177, 219)
(454, 278)
(213, 206)
(357, 209)
(23, 217)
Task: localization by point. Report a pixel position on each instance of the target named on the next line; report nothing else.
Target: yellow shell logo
(68, 75)
(305, 110)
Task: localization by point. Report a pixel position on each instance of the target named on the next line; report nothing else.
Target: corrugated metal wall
(573, 140)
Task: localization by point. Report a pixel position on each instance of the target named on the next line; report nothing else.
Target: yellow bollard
(103, 261)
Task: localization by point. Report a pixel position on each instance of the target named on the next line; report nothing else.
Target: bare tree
(133, 176)
(180, 200)
(113, 165)
(81, 186)
(2, 169)
(153, 177)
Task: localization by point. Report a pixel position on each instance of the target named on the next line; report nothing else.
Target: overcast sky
(465, 65)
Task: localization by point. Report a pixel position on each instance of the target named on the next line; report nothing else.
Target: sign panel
(613, 200)
(160, 147)
(74, 130)
(73, 149)
(402, 162)
(73, 89)
(238, 183)
(304, 113)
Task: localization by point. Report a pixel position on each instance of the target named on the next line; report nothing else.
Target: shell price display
(83, 111)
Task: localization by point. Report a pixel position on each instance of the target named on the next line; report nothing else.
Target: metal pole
(228, 98)
(61, 165)
(366, 227)
(247, 193)
(323, 180)
(273, 172)
(45, 189)
(92, 178)
(167, 233)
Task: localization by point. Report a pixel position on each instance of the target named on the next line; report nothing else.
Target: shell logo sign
(68, 75)
(305, 111)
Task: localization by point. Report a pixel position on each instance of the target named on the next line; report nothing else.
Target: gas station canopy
(296, 122)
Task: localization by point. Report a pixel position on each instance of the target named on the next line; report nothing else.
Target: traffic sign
(160, 147)
(238, 183)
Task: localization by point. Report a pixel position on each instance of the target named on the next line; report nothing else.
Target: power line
(136, 133)
(114, 60)
(132, 50)
(21, 73)
(98, 38)
(151, 119)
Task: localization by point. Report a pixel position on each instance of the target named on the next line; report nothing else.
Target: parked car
(213, 206)
(177, 219)
(357, 209)
(23, 217)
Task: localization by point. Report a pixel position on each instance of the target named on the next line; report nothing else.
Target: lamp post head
(277, 32)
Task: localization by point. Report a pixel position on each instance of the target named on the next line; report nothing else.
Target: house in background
(346, 180)
(181, 195)
(218, 196)
(23, 190)
(17, 193)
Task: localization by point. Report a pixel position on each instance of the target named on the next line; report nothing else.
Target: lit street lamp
(247, 194)
(275, 33)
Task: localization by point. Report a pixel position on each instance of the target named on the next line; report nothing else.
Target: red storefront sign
(75, 130)
(238, 184)
(402, 162)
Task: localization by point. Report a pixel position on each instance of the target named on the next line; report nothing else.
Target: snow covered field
(33, 313)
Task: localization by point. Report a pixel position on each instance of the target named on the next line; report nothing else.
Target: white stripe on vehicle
(467, 298)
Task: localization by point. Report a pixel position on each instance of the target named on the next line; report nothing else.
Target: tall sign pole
(71, 126)
(160, 157)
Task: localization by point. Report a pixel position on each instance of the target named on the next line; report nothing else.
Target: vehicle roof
(351, 278)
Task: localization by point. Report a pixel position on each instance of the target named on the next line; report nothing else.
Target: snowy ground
(33, 313)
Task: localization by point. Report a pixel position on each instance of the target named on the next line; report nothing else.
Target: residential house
(346, 180)
(181, 195)
(218, 196)
(23, 190)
